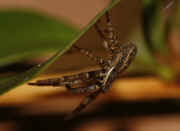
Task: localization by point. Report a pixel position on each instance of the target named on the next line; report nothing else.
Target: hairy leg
(69, 80)
(82, 89)
(89, 99)
(109, 35)
(103, 63)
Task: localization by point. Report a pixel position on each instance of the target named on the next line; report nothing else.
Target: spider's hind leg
(89, 99)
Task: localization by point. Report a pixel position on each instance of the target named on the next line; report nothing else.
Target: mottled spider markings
(96, 82)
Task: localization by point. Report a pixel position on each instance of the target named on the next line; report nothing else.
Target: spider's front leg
(109, 35)
(82, 89)
(69, 82)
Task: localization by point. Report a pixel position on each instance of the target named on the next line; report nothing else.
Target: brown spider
(119, 58)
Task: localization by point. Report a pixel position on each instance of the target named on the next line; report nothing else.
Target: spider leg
(68, 86)
(82, 89)
(104, 64)
(55, 82)
(69, 80)
(109, 35)
(89, 99)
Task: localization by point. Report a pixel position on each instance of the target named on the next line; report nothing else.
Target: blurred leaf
(145, 62)
(175, 17)
(24, 33)
(154, 26)
(12, 82)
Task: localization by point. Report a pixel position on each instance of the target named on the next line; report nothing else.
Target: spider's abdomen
(123, 58)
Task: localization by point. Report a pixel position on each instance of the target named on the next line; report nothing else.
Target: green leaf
(12, 82)
(154, 26)
(24, 33)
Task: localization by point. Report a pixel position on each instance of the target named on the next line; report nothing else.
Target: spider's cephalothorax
(95, 82)
(121, 59)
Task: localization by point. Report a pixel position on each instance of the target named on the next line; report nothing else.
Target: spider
(96, 82)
